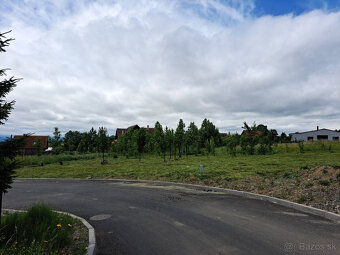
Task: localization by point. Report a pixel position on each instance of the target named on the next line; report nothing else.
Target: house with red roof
(29, 148)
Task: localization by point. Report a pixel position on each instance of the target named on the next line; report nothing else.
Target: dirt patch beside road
(318, 187)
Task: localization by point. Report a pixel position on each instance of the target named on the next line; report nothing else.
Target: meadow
(219, 169)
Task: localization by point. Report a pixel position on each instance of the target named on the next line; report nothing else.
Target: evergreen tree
(160, 139)
(9, 148)
(92, 139)
(72, 140)
(141, 136)
(38, 145)
(169, 137)
(208, 131)
(193, 137)
(179, 136)
(102, 141)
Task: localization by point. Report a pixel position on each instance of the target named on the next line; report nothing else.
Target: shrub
(262, 149)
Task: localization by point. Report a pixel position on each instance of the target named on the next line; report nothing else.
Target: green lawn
(218, 169)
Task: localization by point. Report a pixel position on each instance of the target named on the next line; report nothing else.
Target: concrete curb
(300, 207)
(91, 248)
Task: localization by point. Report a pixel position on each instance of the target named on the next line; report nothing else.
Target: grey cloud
(142, 61)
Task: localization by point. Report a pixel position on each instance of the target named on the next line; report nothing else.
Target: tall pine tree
(10, 147)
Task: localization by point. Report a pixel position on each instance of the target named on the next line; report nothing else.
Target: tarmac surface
(146, 218)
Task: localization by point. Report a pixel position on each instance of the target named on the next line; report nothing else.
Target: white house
(316, 135)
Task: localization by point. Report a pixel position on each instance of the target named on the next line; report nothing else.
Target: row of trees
(91, 141)
(191, 140)
(166, 140)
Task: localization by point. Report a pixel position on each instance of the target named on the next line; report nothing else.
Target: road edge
(91, 248)
(300, 207)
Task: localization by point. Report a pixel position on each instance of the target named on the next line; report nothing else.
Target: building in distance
(316, 135)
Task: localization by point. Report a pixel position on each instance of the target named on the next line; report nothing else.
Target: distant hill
(3, 137)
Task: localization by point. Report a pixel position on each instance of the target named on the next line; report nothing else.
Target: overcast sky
(119, 63)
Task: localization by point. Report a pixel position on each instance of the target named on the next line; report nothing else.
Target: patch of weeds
(304, 168)
(309, 185)
(260, 173)
(325, 171)
(287, 175)
(260, 187)
(39, 231)
(324, 182)
(302, 199)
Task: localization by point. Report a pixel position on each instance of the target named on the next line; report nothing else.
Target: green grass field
(218, 169)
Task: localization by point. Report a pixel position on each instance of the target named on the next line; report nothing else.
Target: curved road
(144, 218)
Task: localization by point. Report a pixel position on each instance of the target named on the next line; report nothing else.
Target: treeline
(170, 143)
(175, 143)
(86, 142)
(255, 139)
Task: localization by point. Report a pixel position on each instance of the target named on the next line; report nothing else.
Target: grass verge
(41, 231)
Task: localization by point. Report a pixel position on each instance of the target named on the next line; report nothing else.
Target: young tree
(193, 137)
(250, 137)
(92, 138)
(208, 131)
(55, 141)
(179, 136)
(141, 136)
(72, 140)
(169, 137)
(38, 145)
(159, 139)
(83, 145)
(102, 141)
(232, 140)
(9, 148)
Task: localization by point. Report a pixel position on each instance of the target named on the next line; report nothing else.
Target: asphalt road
(140, 218)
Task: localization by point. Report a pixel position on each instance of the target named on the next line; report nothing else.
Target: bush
(40, 229)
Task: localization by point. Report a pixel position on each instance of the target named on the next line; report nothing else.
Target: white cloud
(141, 61)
